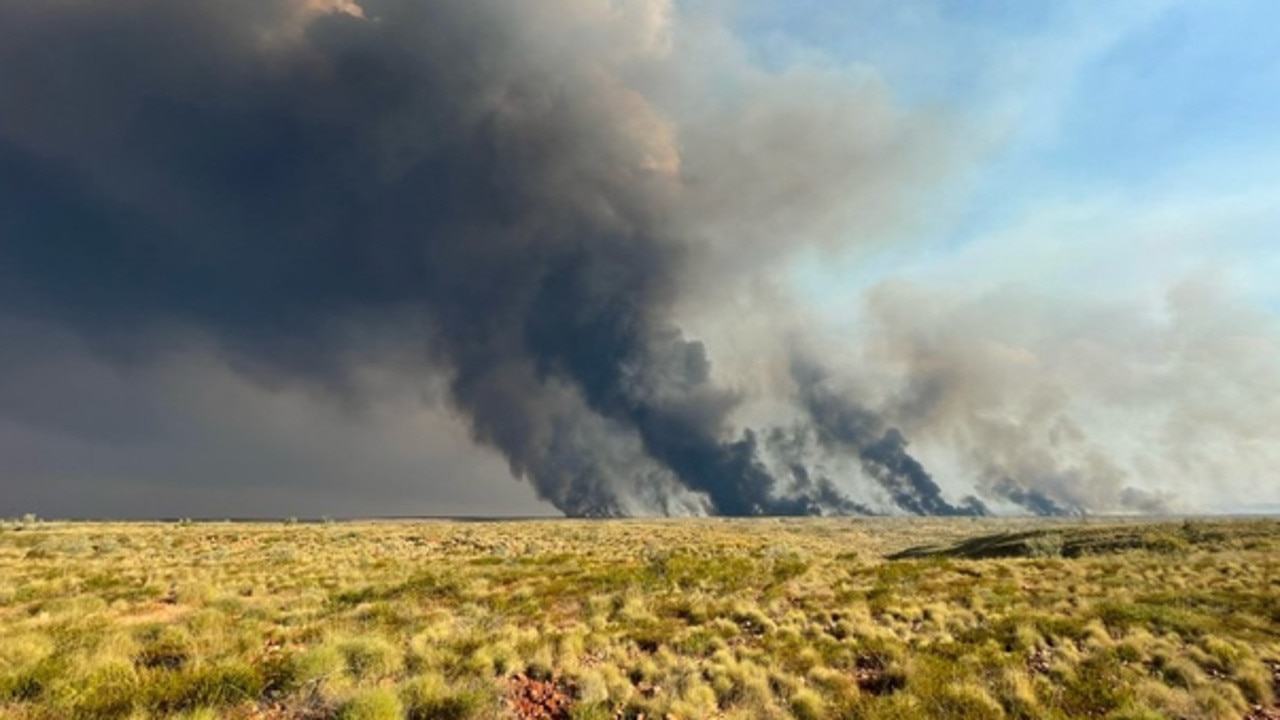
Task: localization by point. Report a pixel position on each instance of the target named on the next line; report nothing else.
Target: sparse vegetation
(834, 618)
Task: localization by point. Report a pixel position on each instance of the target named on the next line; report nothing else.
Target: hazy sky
(1038, 239)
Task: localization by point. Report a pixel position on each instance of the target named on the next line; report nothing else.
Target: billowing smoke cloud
(525, 195)
(496, 179)
(1069, 406)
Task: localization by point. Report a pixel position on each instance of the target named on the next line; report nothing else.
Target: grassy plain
(815, 618)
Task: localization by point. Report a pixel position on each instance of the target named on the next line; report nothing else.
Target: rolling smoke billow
(531, 194)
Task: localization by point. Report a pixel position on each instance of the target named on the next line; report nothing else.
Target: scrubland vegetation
(830, 618)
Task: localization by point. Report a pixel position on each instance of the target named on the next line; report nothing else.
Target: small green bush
(375, 704)
(370, 657)
(429, 697)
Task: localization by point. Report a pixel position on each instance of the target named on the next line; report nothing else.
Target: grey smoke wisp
(525, 196)
(841, 424)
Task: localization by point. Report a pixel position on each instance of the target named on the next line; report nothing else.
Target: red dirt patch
(538, 699)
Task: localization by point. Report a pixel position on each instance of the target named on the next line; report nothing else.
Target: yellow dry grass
(691, 618)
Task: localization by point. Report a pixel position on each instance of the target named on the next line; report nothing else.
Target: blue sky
(1111, 114)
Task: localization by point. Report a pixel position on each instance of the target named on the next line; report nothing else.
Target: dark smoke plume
(1031, 499)
(843, 425)
(268, 173)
